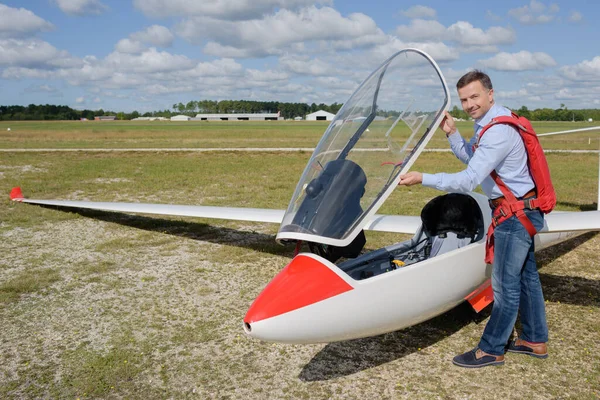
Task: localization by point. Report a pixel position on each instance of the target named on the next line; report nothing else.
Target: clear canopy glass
(375, 137)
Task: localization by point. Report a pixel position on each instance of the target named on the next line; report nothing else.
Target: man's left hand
(411, 178)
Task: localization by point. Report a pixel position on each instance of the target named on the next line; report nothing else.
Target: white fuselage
(386, 302)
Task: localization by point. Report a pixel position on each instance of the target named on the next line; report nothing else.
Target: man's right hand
(447, 124)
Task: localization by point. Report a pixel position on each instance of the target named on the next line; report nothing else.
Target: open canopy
(375, 137)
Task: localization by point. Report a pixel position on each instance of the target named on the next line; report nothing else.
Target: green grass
(127, 134)
(26, 282)
(133, 134)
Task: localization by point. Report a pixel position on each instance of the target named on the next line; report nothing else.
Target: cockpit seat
(453, 212)
(449, 222)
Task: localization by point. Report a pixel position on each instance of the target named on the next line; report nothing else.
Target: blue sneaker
(537, 350)
(477, 358)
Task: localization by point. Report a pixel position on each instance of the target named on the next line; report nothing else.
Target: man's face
(475, 99)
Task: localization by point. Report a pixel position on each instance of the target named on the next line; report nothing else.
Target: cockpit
(449, 222)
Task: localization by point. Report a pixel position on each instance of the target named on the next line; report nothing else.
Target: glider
(335, 292)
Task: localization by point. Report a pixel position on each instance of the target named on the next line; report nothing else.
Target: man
(515, 280)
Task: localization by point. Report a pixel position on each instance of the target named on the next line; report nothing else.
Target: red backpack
(540, 173)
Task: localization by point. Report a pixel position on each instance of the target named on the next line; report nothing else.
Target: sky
(147, 55)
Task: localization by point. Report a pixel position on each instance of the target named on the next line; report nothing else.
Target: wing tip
(16, 194)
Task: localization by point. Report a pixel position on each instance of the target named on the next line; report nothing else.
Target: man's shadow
(352, 356)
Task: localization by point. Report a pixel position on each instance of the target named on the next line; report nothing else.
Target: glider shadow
(349, 357)
(190, 230)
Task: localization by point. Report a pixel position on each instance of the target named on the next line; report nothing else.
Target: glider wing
(558, 221)
(381, 223)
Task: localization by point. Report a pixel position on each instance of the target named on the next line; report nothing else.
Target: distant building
(320, 116)
(239, 117)
(180, 118)
(150, 119)
(105, 118)
(590, 120)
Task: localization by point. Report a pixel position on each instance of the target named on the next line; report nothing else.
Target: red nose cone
(303, 282)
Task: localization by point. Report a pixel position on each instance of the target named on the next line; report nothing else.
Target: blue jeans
(516, 285)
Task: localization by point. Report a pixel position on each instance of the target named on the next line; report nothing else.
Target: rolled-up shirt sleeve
(493, 148)
(462, 149)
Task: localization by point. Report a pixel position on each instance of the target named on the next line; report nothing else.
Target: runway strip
(230, 149)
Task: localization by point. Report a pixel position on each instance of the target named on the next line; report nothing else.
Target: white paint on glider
(388, 302)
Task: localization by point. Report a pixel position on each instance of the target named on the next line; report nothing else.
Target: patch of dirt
(111, 180)
(23, 169)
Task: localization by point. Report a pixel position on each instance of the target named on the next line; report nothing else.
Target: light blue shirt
(501, 148)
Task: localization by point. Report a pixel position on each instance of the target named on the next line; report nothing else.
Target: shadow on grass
(352, 356)
(190, 230)
(349, 357)
(547, 255)
(568, 289)
(580, 207)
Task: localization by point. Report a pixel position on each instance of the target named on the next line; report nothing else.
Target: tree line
(288, 110)
(191, 108)
(544, 114)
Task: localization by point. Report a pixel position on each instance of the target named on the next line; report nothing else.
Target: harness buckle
(501, 214)
(527, 204)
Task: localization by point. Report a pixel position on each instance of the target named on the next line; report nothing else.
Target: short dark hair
(472, 76)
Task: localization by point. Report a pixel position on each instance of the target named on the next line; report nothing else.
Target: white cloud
(20, 22)
(275, 33)
(521, 61)
(587, 70)
(534, 13)
(465, 34)
(148, 61)
(216, 49)
(512, 94)
(129, 46)
(220, 9)
(419, 11)
(156, 35)
(304, 65)
(420, 29)
(81, 7)
(268, 77)
(28, 53)
(138, 42)
(438, 50)
(222, 67)
(80, 100)
(565, 94)
(575, 17)
(469, 38)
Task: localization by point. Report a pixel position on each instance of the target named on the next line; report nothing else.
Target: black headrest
(453, 212)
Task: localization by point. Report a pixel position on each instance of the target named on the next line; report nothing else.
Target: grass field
(202, 134)
(106, 305)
